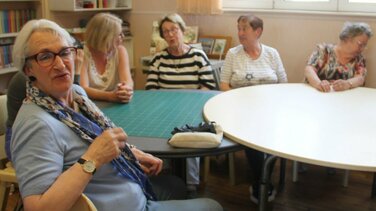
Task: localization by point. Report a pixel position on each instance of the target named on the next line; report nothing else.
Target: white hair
(20, 47)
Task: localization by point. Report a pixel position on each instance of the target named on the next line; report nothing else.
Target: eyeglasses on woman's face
(47, 58)
(173, 30)
(361, 45)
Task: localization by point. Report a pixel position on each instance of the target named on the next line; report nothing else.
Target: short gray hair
(173, 18)
(351, 30)
(20, 47)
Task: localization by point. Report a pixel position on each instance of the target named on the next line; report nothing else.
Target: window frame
(333, 6)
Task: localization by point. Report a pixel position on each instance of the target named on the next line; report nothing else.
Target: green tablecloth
(156, 113)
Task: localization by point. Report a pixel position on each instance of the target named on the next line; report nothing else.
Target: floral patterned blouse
(328, 68)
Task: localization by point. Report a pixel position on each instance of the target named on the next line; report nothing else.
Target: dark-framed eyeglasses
(173, 31)
(47, 58)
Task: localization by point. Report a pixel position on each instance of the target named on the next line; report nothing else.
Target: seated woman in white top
(252, 63)
(105, 73)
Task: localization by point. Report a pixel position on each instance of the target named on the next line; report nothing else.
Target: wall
(293, 35)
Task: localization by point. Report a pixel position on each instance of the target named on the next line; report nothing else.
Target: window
(246, 4)
(357, 5)
(318, 5)
(309, 5)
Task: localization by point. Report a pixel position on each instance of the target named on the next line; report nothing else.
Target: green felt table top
(156, 113)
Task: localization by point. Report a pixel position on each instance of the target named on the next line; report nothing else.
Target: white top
(240, 70)
(295, 121)
(109, 79)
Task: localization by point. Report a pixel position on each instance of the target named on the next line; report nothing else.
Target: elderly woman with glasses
(105, 73)
(179, 66)
(63, 145)
(342, 66)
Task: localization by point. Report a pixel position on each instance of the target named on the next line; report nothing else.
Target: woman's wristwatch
(87, 165)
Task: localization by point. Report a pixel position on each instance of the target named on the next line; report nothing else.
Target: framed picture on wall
(215, 46)
(219, 47)
(207, 44)
(191, 34)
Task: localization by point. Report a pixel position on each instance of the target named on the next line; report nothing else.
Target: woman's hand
(124, 93)
(150, 164)
(341, 85)
(324, 86)
(106, 146)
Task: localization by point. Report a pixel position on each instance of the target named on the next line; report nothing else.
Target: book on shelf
(12, 20)
(6, 56)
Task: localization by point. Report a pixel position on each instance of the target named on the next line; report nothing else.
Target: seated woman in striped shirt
(179, 66)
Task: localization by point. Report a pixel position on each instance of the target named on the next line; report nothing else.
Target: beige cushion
(198, 139)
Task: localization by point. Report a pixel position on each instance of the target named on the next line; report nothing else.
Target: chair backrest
(3, 113)
(84, 204)
(3, 119)
(217, 68)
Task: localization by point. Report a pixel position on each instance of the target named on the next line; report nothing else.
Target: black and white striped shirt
(189, 71)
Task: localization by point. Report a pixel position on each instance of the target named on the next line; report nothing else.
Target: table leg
(179, 168)
(373, 194)
(282, 174)
(263, 197)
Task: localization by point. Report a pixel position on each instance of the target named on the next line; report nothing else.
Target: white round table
(297, 122)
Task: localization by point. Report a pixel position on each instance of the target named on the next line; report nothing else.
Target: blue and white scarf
(88, 125)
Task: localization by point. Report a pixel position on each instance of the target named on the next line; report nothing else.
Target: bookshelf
(13, 14)
(79, 5)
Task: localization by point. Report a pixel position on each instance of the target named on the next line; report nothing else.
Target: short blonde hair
(101, 31)
(173, 18)
(21, 47)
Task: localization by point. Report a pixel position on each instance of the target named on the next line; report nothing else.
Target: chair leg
(4, 193)
(295, 171)
(346, 179)
(231, 167)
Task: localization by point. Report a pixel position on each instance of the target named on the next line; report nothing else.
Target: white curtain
(204, 7)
